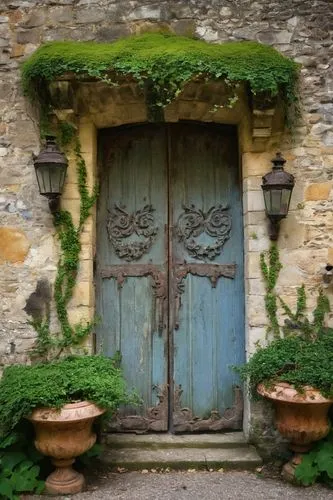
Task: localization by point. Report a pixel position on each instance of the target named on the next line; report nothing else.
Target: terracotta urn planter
(300, 417)
(63, 435)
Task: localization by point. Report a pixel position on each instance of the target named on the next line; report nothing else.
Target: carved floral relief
(121, 225)
(193, 222)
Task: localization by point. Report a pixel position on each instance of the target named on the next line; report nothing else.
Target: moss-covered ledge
(161, 64)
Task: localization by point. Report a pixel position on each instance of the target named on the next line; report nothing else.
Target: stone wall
(301, 29)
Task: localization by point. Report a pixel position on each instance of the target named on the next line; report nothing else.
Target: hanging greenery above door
(164, 63)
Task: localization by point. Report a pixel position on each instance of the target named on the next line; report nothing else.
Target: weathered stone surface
(28, 36)
(33, 19)
(90, 16)
(61, 15)
(145, 12)
(318, 191)
(14, 245)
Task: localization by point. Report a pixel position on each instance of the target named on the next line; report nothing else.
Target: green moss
(164, 61)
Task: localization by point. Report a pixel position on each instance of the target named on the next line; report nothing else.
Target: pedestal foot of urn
(64, 480)
(288, 470)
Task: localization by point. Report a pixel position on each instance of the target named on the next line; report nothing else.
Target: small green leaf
(9, 440)
(307, 471)
(12, 458)
(6, 488)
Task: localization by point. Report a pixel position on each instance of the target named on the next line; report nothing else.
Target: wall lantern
(50, 167)
(277, 187)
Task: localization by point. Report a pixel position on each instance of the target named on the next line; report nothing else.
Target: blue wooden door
(169, 273)
(206, 278)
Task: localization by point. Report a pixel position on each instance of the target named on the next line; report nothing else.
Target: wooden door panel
(132, 268)
(207, 304)
(169, 273)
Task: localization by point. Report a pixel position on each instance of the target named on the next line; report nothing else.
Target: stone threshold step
(158, 441)
(182, 458)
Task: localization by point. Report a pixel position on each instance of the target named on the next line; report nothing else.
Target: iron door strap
(158, 283)
(211, 271)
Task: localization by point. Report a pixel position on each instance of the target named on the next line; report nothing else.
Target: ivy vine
(68, 264)
(298, 321)
(270, 269)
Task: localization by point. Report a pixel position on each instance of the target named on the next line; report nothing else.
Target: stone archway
(94, 105)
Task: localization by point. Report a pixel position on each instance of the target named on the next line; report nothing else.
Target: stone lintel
(209, 101)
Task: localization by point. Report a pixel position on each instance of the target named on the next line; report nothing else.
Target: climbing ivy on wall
(163, 63)
(68, 265)
(296, 321)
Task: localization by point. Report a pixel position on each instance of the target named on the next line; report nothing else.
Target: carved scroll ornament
(154, 419)
(122, 225)
(193, 222)
(185, 421)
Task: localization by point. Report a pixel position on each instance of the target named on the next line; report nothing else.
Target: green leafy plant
(94, 378)
(161, 63)
(19, 465)
(301, 352)
(317, 464)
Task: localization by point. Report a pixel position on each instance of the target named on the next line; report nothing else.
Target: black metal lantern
(277, 187)
(51, 166)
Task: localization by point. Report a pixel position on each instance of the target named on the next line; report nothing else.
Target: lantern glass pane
(50, 178)
(43, 179)
(267, 199)
(273, 201)
(55, 179)
(285, 200)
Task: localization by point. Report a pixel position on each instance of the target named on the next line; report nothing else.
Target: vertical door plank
(210, 337)
(133, 175)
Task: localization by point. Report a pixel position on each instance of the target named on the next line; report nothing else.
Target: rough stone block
(252, 265)
(70, 191)
(80, 313)
(33, 19)
(253, 201)
(14, 245)
(145, 12)
(89, 16)
(29, 36)
(255, 164)
(318, 191)
(83, 294)
(255, 334)
(255, 308)
(17, 50)
(61, 15)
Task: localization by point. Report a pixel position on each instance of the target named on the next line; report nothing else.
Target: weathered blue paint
(133, 175)
(169, 167)
(210, 337)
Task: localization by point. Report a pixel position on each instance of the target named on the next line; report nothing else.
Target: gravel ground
(193, 485)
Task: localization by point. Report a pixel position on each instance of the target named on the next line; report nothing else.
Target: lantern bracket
(54, 204)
